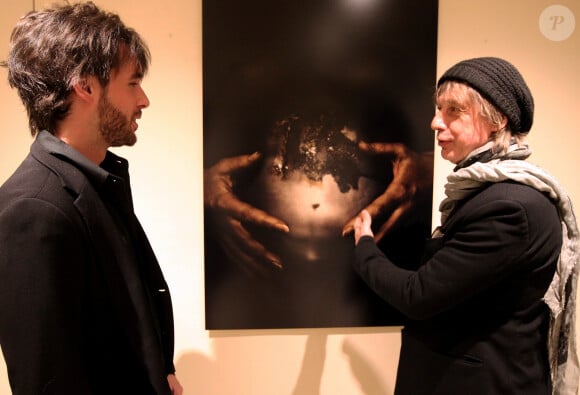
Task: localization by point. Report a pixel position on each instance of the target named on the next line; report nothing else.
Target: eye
(455, 110)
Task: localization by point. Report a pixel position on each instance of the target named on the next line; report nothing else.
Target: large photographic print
(313, 110)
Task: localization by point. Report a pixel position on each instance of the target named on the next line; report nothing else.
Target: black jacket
(477, 323)
(84, 307)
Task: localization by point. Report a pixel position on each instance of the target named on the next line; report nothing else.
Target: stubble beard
(114, 126)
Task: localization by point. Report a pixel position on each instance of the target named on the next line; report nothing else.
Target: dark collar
(112, 165)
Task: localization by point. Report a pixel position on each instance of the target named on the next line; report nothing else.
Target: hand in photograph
(412, 177)
(232, 215)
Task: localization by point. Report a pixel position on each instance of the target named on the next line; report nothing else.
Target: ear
(504, 122)
(85, 88)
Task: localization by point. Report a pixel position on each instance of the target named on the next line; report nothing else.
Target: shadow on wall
(363, 371)
(250, 374)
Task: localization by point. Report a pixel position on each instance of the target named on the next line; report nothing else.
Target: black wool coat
(477, 323)
(79, 312)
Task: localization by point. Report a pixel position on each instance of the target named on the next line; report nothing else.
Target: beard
(115, 127)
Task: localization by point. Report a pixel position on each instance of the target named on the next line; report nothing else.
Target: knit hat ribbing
(499, 82)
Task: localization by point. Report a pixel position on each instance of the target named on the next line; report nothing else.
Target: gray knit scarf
(561, 295)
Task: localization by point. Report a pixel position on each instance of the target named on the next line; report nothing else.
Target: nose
(143, 99)
(437, 123)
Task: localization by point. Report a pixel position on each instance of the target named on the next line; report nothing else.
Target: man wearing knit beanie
(500, 82)
(491, 310)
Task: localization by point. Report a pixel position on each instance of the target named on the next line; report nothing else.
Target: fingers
(384, 206)
(217, 179)
(174, 385)
(349, 227)
(393, 221)
(366, 218)
(232, 213)
(218, 193)
(248, 264)
(227, 203)
(364, 221)
(245, 212)
(362, 226)
(357, 229)
(252, 246)
(384, 148)
(229, 165)
(386, 203)
(244, 249)
(373, 209)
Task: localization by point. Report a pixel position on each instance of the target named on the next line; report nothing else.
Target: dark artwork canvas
(300, 84)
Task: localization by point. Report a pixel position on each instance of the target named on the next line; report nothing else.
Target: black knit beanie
(502, 84)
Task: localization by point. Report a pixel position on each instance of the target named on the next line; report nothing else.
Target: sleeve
(41, 298)
(485, 249)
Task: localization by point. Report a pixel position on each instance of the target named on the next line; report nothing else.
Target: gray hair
(502, 135)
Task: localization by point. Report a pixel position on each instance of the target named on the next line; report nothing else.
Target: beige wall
(167, 178)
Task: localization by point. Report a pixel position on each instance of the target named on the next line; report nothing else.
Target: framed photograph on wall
(312, 110)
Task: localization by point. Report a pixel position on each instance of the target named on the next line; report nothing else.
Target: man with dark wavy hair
(84, 306)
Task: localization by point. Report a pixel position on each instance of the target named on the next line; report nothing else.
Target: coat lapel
(115, 256)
